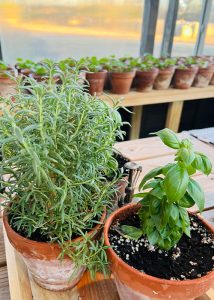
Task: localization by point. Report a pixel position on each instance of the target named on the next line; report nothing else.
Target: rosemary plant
(57, 148)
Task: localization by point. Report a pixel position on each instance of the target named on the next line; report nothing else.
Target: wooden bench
(149, 153)
(174, 97)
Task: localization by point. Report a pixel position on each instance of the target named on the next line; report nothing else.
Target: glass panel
(57, 29)
(187, 26)
(209, 40)
(163, 6)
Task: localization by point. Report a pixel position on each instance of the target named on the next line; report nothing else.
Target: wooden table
(147, 152)
(174, 97)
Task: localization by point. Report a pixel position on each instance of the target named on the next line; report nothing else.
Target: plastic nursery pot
(42, 260)
(135, 285)
(96, 82)
(121, 82)
(183, 78)
(25, 72)
(144, 80)
(204, 76)
(164, 78)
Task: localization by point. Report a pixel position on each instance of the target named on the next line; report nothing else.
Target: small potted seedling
(156, 248)
(204, 75)
(24, 66)
(166, 68)
(146, 73)
(7, 83)
(185, 73)
(95, 75)
(57, 151)
(121, 76)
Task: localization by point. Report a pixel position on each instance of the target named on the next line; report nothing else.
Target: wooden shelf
(174, 97)
(163, 96)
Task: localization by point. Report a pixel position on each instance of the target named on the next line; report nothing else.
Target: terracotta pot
(42, 259)
(96, 82)
(135, 285)
(44, 78)
(25, 72)
(7, 86)
(164, 78)
(212, 80)
(121, 82)
(144, 80)
(204, 76)
(183, 78)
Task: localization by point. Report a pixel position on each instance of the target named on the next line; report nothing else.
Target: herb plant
(165, 63)
(25, 63)
(57, 149)
(167, 192)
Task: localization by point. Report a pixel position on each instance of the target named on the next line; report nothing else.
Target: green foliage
(163, 63)
(57, 148)
(166, 193)
(3, 66)
(25, 63)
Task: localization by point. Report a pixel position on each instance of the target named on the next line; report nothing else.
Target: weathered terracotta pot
(183, 78)
(135, 285)
(42, 259)
(204, 76)
(144, 80)
(25, 72)
(96, 82)
(212, 80)
(121, 82)
(164, 78)
(7, 86)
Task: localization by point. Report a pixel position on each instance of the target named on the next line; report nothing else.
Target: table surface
(147, 152)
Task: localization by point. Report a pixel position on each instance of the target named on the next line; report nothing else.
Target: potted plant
(95, 75)
(185, 73)
(57, 150)
(7, 83)
(121, 76)
(146, 74)
(24, 66)
(156, 249)
(166, 68)
(204, 75)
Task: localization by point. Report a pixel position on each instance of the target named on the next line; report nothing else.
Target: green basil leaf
(202, 163)
(186, 155)
(152, 184)
(169, 138)
(196, 193)
(131, 232)
(174, 213)
(153, 237)
(175, 182)
(154, 172)
(186, 201)
(167, 167)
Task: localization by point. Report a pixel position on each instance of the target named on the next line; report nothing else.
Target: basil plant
(167, 192)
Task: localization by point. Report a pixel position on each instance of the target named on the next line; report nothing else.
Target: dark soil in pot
(164, 78)
(96, 82)
(144, 80)
(191, 258)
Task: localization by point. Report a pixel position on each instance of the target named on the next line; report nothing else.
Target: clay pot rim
(137, 273)
(152, 70)
(125, 72)
(101, 71)
(8, 228)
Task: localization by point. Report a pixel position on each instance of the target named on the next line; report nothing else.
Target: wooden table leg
(174, 115)
(136, 122)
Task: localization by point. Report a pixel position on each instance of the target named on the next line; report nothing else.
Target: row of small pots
(49, 272)
(145, 81)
